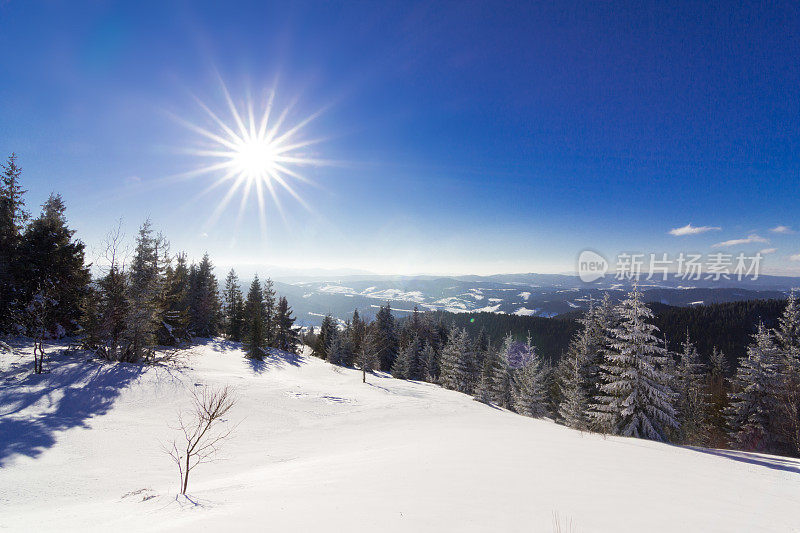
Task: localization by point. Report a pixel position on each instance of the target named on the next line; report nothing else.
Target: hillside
(316, 449)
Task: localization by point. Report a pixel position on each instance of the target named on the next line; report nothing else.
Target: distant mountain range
(545, 295)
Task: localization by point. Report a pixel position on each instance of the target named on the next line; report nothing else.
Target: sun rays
(256, 152)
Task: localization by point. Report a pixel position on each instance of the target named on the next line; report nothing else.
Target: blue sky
(459, 137)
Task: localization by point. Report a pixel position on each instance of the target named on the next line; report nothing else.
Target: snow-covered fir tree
(386, 337)
(574, 404)
(143, 317)
(457, 366)
(233, 307)
(408, 364)
(270, 312)
(635, 399)
(327, 330)
(254, 339)
(204, 300)
(492, 365)
(287, 337)
(529, 393)
(430, 361)
(754, 396)
(504, 375)
(788, 339)
(691, 396)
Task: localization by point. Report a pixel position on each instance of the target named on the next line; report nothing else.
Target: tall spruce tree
(504, 375)
(55, 267)
(233, 307)
(254, 339)
(692, 398)
(754, 396)
(529, 394)
(204, 300)
(458, 370)
(635, 399)
(270, 311)
(327, 331)
(386, 340)
(286, 335)
(12, 223)
(143, 311)
(788, 339)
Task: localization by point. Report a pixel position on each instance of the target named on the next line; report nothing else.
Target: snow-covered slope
(318, 450)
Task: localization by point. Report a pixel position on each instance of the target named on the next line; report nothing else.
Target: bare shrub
(201, 431)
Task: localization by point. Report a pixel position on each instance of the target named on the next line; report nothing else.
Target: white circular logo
(591, 266)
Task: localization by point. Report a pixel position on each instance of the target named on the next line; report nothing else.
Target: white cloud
(688, 229)
(766, 251)
(734, 242)
(795, 257)
(786, 230)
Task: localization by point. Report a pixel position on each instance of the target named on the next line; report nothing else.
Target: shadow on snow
(785, 464)
(72, 392)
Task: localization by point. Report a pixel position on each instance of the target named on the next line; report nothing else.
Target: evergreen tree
(270, 326)
(233, 307)
(339, 351)
(788, 339)
(254, 339)
(635, 399)
(430, 360)
(356, 332)
(407, 364)
(143, 316)
(717, 397)
(692, 400)
(530, 398)
(504, 375)
(327, 330)
(54, 265)
(457, 372)
(574, 401)
(491, 366)
(754, 398)
(204, 300)
(12, 223)
(176, 301)
(286, 335)
(366, 357)
(386, 340)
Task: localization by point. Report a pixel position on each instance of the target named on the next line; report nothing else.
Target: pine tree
(233, 307)
(254, 339)
(12, 223)
(176, 301)
(575, 403)
(504, 375)
(339, 349)
(430, 361)
(386, 340)
(54, 264)
(366, 358)
(457, 360)
(635, 399)
(717, 397)
(286, 335)
(530, 398)
(754, 398)
(692, 401)
(144, 290)
(327, 330)
(788, 339)
(407, 364)
(270, 326)
(356, 332)
(204, 300)
(491, 366)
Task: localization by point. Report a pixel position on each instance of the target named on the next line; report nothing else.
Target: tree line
(134, 304)
(618, 375)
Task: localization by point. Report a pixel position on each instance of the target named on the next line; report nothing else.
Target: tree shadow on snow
(786, 464)
(276, 359)
(71, 393)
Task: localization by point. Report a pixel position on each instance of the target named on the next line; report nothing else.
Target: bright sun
(254, 153)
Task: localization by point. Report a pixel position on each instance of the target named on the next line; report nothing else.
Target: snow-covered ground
(317, 450)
